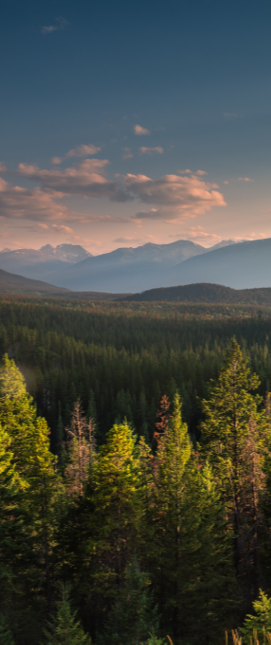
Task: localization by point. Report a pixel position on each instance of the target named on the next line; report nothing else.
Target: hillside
(17, 284)
(204, 293)
(10, 282)
(245, 265)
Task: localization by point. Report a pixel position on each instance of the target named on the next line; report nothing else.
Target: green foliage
(6, 637)
(65, 629)
(133, 615)
(236, 441)
(260, 621)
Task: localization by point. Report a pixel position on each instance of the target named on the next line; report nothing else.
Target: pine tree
(133, 615)
(65, 629)
(188, 550)
(27, 540)
(235, 439)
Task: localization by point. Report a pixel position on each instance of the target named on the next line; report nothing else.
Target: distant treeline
(204, 293)
(119, 361)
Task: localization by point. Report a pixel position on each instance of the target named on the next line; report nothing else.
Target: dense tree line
(125, 542)
(120, 365)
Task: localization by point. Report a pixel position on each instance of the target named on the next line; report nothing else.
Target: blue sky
(124, 97)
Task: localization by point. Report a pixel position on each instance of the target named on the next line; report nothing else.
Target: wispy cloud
(127, 153)
(59, 24)
(126, 240)
(151, 151)
(197, 234)
(139, 130)
(80, 151)
(245, 179)
(83, 151)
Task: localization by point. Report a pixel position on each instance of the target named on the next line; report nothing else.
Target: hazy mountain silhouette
(127, 269)
(33, 263)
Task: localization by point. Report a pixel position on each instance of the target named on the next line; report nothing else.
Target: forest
(135, 473)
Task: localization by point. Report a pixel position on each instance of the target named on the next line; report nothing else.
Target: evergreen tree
(133, 615)
(59, 437)
(188, 555)
(6, 637)
(65, 629)
(235, 439)
(31, 510)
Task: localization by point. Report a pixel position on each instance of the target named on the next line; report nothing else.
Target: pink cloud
(197, 233)
(139, 130)
(245, 179)
(83, 151)
(176, 197)
(150, 151)
(84, 178)
(56, 160)
(31, 204)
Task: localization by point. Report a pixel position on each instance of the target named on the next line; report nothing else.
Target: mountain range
(129, 270)
(38, 264)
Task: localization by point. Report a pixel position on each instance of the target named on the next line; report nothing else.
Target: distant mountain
(126, 269)
(130, 270)
(204, 293)
(11, 283)
(17, 284)
(241, 266)
(32, 263)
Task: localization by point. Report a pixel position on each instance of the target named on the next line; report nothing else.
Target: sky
(125, 123)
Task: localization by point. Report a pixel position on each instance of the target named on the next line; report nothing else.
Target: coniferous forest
(135, 474)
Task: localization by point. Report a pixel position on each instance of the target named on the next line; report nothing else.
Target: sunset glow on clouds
(123, 124)
(171, 196)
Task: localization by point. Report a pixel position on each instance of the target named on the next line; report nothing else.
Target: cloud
(139, 130)
(56, 160)
(2, 167)
(190, 172)
(83, 151)
(150, 151)
(225, 182)
(169, 198)
(126, 240)
(33, 204)
(176, 197)
(62, 228)
(84, 178)
(60, 24)
(127, 153)
(80, 151)
(245, 179)
(197, 233)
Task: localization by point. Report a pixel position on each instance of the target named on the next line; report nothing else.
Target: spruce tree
(65, 629)
(26, 547)
(133, 615)
(187, 553)
(236, 436)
